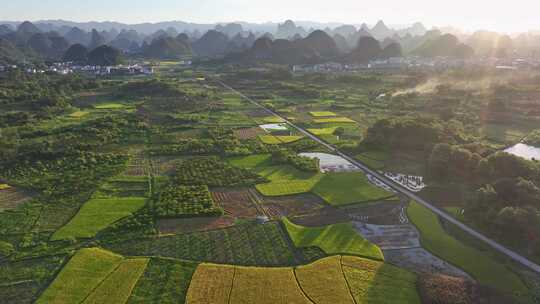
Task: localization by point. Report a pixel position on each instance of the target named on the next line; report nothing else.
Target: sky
(497, 15)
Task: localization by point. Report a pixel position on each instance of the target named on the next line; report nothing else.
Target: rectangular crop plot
(211, 284)
(278, 139)
(345, 188)
(248, 133)
(322, 114)
(181, 201)
(164, 281)
(97, 214)
(236, 203)
(324, 282)
(286, 180)
(111, 106)
(266, 285)
(334, 120)
(213, 172)
(117, 287)
(323, 131)
(247, 244)
(84, 272)
(78, 114)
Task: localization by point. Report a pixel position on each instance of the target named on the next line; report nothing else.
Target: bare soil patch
(193, 224)
(236, 203)
(248, 133)
(291, 205)
(164, 165)
(322, 217)
(10, 198)
(379, 213)
(138, 166)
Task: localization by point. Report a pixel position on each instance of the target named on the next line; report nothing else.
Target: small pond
(525, 151)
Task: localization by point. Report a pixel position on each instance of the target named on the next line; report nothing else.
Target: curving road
(513, 255)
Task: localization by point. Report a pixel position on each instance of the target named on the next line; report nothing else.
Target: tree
(77, 53)
(460, 160)
(438, 161)
(104, 56)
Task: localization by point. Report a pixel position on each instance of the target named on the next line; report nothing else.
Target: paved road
(513, 255)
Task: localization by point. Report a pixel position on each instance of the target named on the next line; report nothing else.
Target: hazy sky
(508, 16)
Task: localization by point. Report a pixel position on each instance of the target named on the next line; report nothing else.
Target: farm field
(279, 139)
(96, 215)
(333, 239)
(111, 106)
(321, 282)
(372, 282)
(348, 188)
(322, 114)
(286, 180)
(163, 281)
(236, 203)
(245, 244)
(479, 265)
(23, 281)
(117, 287)
(173, 188)
(81, 275)
(332, 120)
(323, 131)
(78, 114)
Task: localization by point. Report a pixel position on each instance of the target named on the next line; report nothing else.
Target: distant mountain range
(286, 42)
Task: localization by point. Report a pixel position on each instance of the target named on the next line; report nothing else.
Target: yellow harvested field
(334, 120)
(266, 286)
(78, 114)
(324, 282)
(117, 287)
(211, 284)
(275, 140)
(332, 280)
(84, 272)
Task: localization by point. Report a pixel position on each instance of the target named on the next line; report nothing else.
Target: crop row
(248, 244)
